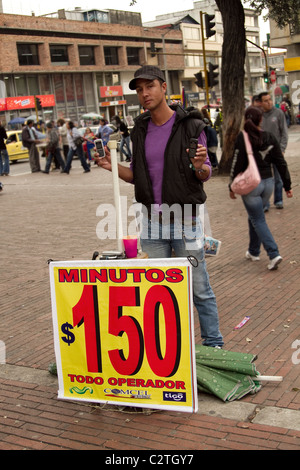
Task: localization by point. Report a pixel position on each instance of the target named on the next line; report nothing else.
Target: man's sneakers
(274, 263)
(251, 257)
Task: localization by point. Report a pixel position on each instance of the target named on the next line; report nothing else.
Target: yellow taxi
(14, 146)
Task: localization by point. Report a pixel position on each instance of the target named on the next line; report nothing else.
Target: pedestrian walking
(53, 148)
(104, 131)
(267, 152)
(125, 138)
(274, 121)
(4, 158)
(75, 146)
(164, 175)
(63, 133)
(212, 143)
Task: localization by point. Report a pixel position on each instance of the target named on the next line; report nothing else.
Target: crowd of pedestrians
(60, 141)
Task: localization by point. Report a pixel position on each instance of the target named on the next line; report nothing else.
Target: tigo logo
(174, 396)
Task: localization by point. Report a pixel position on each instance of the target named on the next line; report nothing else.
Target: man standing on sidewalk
(164, 174)
(274, 121)
(29, 140)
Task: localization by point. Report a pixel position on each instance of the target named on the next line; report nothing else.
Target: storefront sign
(292, 64)
(112, 103)
(110, 91)
(27, 102)
(3, 106)
(124, 332)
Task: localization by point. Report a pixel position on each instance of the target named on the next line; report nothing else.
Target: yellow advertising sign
(292, 64)
(124, 332)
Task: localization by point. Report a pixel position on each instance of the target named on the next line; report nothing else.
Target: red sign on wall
(26, 102)
(20, 102)
(111, 91)
(3, 104)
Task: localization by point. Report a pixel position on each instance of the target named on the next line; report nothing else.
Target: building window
(133, 56)
(191, 33)
(28, 54)
(86, 55)
(193, 61)
(21, 85)
(33, 84)
(111, 56)
(45, 84)
(112, 79)
(59, 55)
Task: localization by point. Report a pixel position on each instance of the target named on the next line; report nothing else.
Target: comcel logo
(174, 396)
(114, 392)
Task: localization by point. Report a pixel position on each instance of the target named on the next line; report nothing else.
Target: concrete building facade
(77, 66)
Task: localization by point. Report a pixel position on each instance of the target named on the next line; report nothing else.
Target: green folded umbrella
(228, 375)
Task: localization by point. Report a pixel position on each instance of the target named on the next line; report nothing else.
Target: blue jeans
(4, 168)
(59, 158)
(278, 185)
(203, 296)
(259, 231)
(125, 141)
(71, 153)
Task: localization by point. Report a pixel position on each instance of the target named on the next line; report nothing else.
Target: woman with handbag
(75, 146)
(266, 151)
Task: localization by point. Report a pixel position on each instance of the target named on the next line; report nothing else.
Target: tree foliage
(283, 12)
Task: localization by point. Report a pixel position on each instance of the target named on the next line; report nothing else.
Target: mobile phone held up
(193, 147)
(99, 147)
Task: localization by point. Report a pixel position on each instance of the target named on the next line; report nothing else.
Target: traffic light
(266, 77)
(212, 76)
(272, 74)
(152, 49)
(199, 79)
(38, 103)
(209, 24)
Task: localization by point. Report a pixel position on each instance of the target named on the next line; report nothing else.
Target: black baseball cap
(149, 72)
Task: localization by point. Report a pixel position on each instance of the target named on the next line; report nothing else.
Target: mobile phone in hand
(193, 147)
(99, 147)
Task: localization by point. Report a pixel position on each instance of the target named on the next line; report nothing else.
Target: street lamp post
(166, 67)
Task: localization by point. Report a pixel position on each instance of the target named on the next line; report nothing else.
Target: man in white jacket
(274, 121)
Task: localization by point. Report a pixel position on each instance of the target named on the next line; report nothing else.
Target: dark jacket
(53, 140)
(180, 184)
(3, 137)
(268, 153)
(124, 130)
(27, 141)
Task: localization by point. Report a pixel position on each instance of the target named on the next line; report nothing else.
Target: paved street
(54, 217)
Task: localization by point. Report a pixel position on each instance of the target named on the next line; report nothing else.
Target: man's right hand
(104, 162)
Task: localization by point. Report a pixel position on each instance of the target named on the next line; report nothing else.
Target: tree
(233, 57)
(283, 12)
(233, 73)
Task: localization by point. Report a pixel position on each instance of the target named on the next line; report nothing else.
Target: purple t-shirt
(155, 145)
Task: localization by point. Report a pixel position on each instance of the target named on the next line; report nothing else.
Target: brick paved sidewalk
(54, 216)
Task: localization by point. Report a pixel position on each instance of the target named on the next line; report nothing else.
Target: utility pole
(204, 61)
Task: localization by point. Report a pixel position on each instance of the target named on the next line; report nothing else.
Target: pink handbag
(245, 182)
